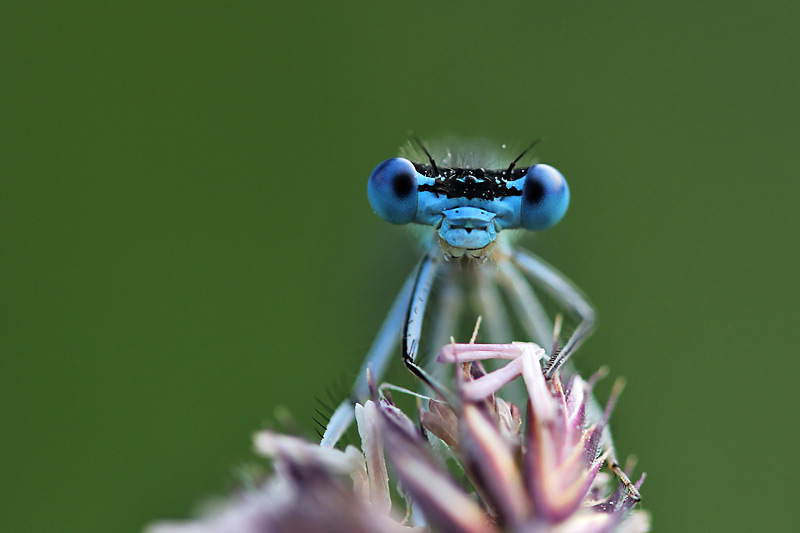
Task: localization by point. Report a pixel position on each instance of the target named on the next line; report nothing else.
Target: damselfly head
(468, 198)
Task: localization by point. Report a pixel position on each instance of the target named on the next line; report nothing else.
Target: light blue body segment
(468, 206)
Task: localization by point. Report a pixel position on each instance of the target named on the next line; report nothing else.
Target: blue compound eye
(392, 190)
(545, 197)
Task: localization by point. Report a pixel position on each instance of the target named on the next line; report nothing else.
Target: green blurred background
(187, 244)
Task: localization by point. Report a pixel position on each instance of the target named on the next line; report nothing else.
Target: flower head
(529, 469)
(540, 475)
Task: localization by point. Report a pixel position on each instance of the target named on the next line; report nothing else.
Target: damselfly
(471, 198)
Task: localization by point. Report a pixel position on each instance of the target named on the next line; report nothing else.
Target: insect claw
(633, 492)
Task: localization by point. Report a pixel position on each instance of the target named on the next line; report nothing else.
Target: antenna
(525, 151)
(430, 158)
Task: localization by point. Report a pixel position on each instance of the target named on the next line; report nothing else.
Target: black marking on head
(470, 183)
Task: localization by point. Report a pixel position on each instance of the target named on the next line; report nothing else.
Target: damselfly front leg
(564, 292)
(415, 314)
(404, 321)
